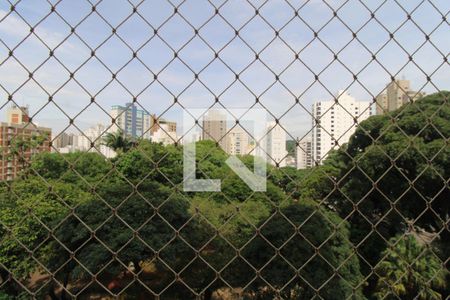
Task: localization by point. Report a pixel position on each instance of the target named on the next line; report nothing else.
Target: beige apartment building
(396, 94)
(239, 142)
(214, 128)
(157, 123)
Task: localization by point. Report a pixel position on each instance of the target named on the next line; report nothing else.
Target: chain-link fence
(103, 99)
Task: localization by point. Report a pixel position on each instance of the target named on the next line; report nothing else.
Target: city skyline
(402, 87)
(400, 84)
(224, 149)
(139, 123)
(219, 73)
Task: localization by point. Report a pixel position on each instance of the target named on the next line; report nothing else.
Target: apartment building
(276, 145)
(19, 141)
(303, 153)
(396, 94)
(17, 114)
(63, 140)
(335, 121)
(133, 122)
(90, 140)
(239, 141)
(164, 131)
(214, 128)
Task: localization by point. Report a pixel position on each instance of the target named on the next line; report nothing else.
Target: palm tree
(409, 270)
(117, 141)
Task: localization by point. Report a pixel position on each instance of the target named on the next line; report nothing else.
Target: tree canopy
(393, 172)
(335, 231)
(410, 270)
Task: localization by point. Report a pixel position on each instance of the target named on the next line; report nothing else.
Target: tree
(76, 167)
(129, 228)
(106, 216)
(393, 169)
(288, 179)
(409, 161)
(301, 248)
(290, 147)
(29, 211)
(118, 141)
(106, 230)
(409, 270)
(22, 149)
(152, 161)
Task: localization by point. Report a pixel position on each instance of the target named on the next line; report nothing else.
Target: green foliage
(287, 248)
(21, 296)
(4, 296)
(118, 141)
(49, 165)
(289, 179)
(73, 167)
(131, 210)
(109, 219)
(409, 270)
(290, 147)
(19, 149)
(394, 169)
(114, 217)
(29, 210)
(152, 161)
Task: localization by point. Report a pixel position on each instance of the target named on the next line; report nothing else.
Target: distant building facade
(63, 140)
(133, 122)
(158, 121)
(239, 141)
(303, 154)
(335, 121)
(214, 128)
(17, 115)
(91, 140)
(290, 161)
(18, 128)
(396, 94)
(164, 131)
(276, 145)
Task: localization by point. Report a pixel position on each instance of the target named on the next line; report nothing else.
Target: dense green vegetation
(424, 275)
(18, 149)
(369, 223)
(117, 141)
(393, 175)
(290, 147)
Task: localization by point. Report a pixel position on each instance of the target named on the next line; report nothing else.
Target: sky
(196, 33)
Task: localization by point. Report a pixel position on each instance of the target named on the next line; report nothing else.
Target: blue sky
(175, 77)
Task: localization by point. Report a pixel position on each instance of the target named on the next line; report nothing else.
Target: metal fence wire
(357, 198)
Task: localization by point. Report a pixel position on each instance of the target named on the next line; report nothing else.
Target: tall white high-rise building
(276, 144)
(335, 121)
(303, 153)
(133, 122)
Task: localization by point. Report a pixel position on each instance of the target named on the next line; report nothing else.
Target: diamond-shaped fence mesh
(103, 98)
